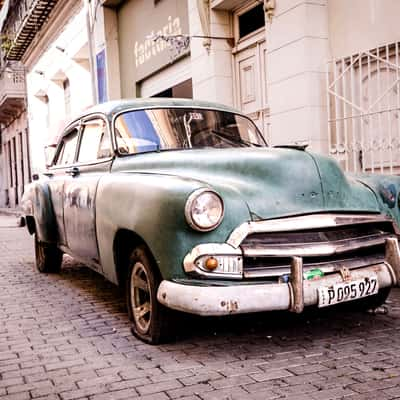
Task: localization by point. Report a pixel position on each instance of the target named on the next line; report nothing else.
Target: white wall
(358, 25)
(297, 52)
(212, 74)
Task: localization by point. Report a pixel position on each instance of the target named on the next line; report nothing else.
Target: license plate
(346, 291)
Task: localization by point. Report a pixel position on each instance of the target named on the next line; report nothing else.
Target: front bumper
(293, 296)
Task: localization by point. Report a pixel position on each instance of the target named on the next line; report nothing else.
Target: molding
(203, 7)
(62, 13)
(228, 5)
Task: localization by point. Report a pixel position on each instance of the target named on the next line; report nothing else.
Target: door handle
(72, 171)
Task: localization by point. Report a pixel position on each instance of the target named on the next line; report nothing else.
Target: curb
(13, 212)
(10, 212)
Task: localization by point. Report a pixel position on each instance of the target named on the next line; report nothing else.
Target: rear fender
(37, 203)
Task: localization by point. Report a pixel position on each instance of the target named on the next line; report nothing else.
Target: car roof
(111, 108)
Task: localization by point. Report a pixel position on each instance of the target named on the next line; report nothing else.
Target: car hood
(273, 182)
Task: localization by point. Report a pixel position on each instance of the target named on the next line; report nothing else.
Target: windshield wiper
(244, 142)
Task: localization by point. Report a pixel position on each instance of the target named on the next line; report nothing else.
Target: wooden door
(250, 83)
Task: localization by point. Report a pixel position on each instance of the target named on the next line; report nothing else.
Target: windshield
(180, 128)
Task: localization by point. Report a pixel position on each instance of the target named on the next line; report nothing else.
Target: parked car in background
(185, 204)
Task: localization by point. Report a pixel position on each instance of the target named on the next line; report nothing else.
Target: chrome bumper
(293, 296)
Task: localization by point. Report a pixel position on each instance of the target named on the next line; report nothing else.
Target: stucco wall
(139, 21)
(212, 73)
(297, 52)
(357, 25)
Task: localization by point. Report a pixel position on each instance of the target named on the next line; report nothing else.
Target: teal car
(185, 205)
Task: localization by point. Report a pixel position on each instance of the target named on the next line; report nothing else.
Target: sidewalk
(9, 221)
(15, 214)
(10, 211)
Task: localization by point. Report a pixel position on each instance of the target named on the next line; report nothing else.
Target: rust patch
(377, 268)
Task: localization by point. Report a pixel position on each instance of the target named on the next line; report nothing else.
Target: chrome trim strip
(314, 249)
(303, 222)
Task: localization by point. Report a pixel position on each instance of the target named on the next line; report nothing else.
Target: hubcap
(140, 297)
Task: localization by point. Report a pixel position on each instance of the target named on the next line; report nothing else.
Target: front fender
(36, 202)
(387, 192)
(152, 206)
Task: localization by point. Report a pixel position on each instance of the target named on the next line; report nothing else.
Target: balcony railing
(24, 20)
(12, 95)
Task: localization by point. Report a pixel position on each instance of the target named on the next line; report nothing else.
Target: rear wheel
(151, 320)
(48, 257)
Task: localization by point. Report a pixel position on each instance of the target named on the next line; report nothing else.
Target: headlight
(204, 210)
(388, 194)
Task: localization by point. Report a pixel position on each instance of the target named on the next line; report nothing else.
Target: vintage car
(185, 204)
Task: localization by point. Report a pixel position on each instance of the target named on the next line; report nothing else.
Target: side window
(67, 153)
(95, 141)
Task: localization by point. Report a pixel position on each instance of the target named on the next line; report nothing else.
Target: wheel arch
(125, 241)
(39, 213)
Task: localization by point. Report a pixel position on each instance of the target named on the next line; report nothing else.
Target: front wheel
(151, 320)
(48, 257)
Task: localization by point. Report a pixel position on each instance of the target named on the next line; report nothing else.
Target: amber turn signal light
(211, 263)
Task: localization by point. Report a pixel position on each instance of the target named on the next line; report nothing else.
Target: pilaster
(212, 74)
(298, 49)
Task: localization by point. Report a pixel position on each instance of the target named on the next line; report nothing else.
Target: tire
(48, 257)
(372, 302)
(151, 321)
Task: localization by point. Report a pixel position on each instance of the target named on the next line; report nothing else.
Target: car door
(93, 160)
(64, 158)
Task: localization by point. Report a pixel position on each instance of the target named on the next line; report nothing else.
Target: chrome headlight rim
(188, 209)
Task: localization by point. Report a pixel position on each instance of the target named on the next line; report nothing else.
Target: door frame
(257, 40)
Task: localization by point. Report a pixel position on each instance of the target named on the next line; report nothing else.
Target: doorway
(249, 58)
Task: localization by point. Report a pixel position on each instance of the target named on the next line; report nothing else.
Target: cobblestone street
(67, 337)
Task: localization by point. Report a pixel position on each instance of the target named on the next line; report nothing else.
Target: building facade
(45, 80)
(15, 163)
(324, 72)
(58, 79)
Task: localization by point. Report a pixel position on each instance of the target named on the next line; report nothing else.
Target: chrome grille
(270, 254)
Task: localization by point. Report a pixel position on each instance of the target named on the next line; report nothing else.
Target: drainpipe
(91, 60)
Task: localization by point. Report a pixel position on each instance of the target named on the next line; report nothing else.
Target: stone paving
(67, 337)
